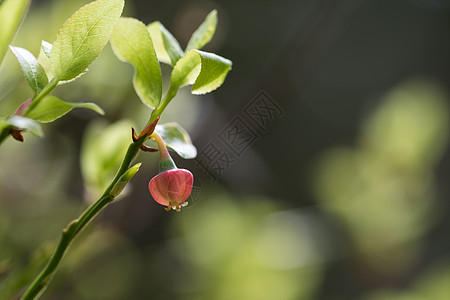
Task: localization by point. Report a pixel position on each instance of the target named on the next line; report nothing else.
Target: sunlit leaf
(83, 37)
(51, 108)
(11, 13)
(178, 139)
(166, 46)
(25, 123)
(47, 48)
(204, 32)
(132, 43)
(44, 59)
(206, 71)
(33, 71)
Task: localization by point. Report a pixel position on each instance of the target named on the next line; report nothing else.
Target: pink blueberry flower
(172, 186)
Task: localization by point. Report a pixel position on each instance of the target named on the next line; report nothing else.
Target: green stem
(171, 93)
(163, 153)
(165, 161)
(41, 282)
(44, 92)
(4, 133)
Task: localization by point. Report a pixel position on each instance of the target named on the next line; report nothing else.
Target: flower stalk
(38, 286)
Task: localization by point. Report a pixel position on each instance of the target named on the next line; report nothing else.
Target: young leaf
(46, 48)
(11, 12)
(44, 58)
(132, 43)
(44, 61)
(166, 46)
(178, 139)
(124, 179)
(33, 71)
(25, 123)
(82, 37)
(206, 71)
(51, 108)
(186, 70)
(204, 32)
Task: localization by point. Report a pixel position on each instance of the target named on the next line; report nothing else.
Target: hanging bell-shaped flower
(172, 186)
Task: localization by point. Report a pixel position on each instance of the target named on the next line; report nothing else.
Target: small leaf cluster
(146, 46)
(81, 40)
(78, 43)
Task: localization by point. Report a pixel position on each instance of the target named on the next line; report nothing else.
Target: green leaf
(44, 61)
(25, 123)
(204, 32)
(178, 139)
(11, 13)
(44, 58)
(51, 108)
(186, 70)
(166, 46)
(124, 179)
(82, 37)
(46, 48)
(206, 71)
(132, 43)
(33, 71)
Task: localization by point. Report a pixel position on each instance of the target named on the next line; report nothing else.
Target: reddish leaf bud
(23, 108)
(148, 130)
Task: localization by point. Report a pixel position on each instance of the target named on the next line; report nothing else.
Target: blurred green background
(344, 195)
